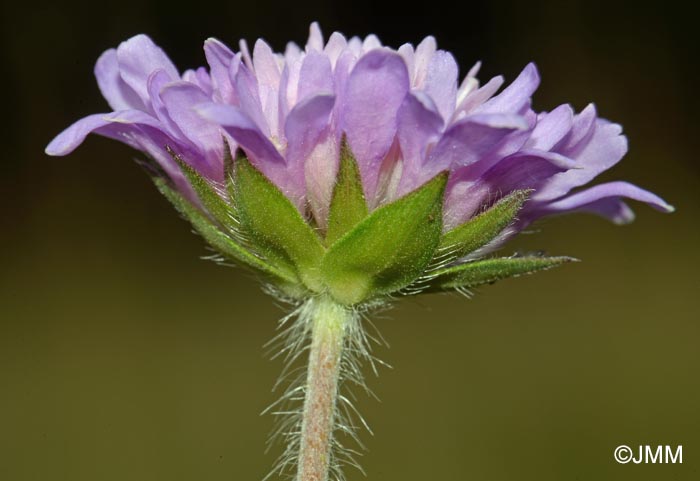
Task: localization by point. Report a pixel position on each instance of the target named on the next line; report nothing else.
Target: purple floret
(404, 114)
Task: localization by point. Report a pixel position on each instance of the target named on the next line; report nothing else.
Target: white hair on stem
(292, 344)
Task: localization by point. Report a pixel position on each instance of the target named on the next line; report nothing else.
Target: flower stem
(328, 330)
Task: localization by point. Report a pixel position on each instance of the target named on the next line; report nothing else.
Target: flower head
(400, 118)
(347, 172)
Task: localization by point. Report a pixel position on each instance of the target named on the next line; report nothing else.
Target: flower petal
(604, 200)
(371, 42)
(409, 56)
(306, 127)
(118, 94)
(424, 53)
(261, 152)
(179, 99)
(219, 58)
(335, 46)
(243, 130)
(138, 57)
(605, 148)
(315, 77)
(551, 128)
(375, 90)
(320, 171)
(516, 96)
(267, 70)
(475, 98)
(581, 131)
(305, 124)
(68, 140)
(521, 171)
(441, 82)
(315, 41)
(249, 97)
(469, 140)
(156, 82)
(419, 124)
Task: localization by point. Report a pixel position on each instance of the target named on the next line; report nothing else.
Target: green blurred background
(125, 357)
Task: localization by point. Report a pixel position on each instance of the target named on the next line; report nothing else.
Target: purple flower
(366, 173)
(405, 116)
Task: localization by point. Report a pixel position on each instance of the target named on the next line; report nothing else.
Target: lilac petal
(523, 170)
(315, 41)
(267, 70)
(477, 97)
(526, 170)
(267, 74)
(469, 140)
(613, 209)
(335, 46)
(371, 42)
(261, 152)
(355, 46)
(245, 53)
(424, 53)
(474, 70)
(315, 77)
(136, 129)
(289, 84)
(581, 132)
(153, 141)
(202, 79)
(551, 128)
(243, 130)
(441, 82)
(138, 57)
(604, 199)
(179, 99)
(133, 117)
(292, 53)
(313, 149)
(121, 125)
(269, 99)
(388, 177)
(283, 105)
(419, 125)
(246, 87)
(516, 96)
(409, 56)
(156, 82)
(305, 124)
(233, 69)
(118, 94)
(68, 140)
(219, 58)
(320, 170)
(604, 149)
(341, 74)
(375, 90)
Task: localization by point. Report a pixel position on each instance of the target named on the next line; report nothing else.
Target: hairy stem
(328, 330)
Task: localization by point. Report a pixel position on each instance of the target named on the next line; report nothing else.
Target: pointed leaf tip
(485, 227)
(488, 271)
(389, 249)
(220, 241)
(274, 224)
(348, 205)
(214, 204)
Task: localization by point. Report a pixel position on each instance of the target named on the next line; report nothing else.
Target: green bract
(275, 226)
(389, 249)
(362, 256)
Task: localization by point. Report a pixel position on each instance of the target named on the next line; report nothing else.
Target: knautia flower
(346, 174)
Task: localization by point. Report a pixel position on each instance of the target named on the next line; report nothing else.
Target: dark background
(125, 357)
